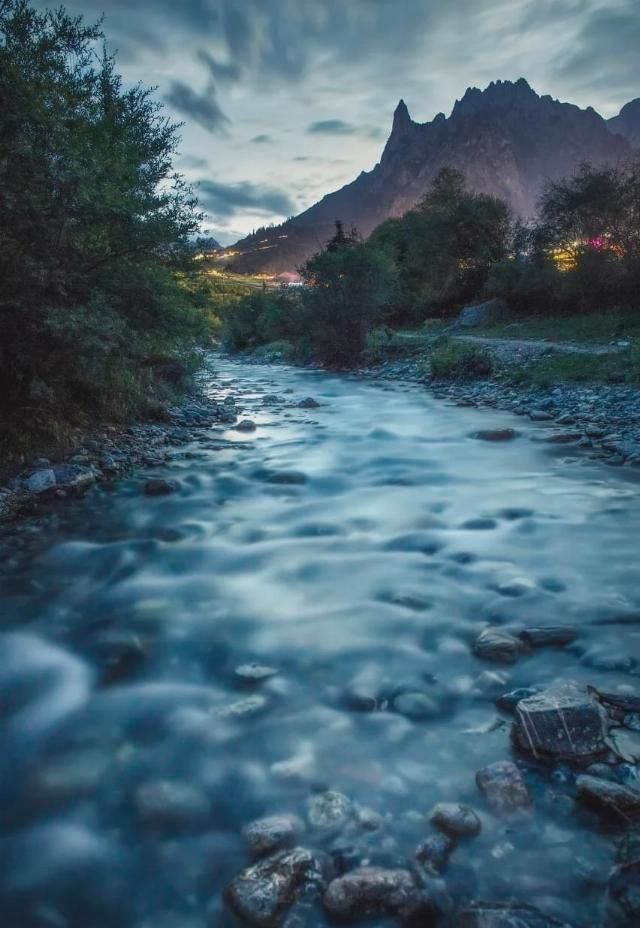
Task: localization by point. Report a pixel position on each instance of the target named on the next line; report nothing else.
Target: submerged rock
(272, 833)
(496, 644)
(610, 799)
(495, 434)
(433, 854)
(329, 811)
(159, 487)
(549, 636)
(455, 820)
(563, 721)
(503, 787)
(246, 425)
(497, 915)
(261, 894)
(623, 898)
(373, 892)
(172, 804)
(308, 403)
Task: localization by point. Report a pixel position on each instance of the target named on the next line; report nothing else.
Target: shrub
(261, 317)
(456, 361)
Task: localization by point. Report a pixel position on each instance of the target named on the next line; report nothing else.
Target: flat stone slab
(563, 721)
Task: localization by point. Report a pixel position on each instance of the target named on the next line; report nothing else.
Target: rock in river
(623, 902)
(373, 892)
(434, 853)
(496, 644)
(495, 434)
(496, 915)
(261, 895)
(503, 787)
(455, 820)
(159, 487)
(272, 833)
(611, 799)
(329, 811)
(563, 721)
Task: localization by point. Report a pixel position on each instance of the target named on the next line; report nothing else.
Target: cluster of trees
(95, 232)
(581, 254)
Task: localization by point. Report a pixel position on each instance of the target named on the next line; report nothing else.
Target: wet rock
(266, 835)
(455, 820)
(623, 896)
(433, 854)
(540, 415)
(159, 487)
(508, 701)
(562, 438)
(496, 915)
(549, 636)
(563, 721)
(73, 477)
(246, 425)
(624, 701)
(601, 772)
(308, 403)
(480, 524)
(254, 673)
(495, 434)
(416, 706)
(499, 645)
(262, 894)
(373, 892)
(41, 481)
(503, 787)
(329, 811)
(610, 799)
(625, 743)
(172, 804)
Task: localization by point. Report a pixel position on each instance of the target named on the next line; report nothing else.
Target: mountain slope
(627, 122)
(507, 140)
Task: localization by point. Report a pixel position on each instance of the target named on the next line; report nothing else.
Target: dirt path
(523, 348)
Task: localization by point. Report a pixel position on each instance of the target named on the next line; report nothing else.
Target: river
(352, 552)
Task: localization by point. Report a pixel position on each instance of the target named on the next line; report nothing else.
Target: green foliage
(261, 317)
(444, 248)
(451, 360)
(581, 368)
(346, 290)
(94, 240)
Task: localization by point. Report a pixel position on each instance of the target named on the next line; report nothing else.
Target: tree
(95, 223)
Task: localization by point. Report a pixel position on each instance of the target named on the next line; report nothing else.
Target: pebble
(433, 854)
(262, 894)
(374, 892)
(266, 835)
(329, 811)
(498, 645)
(610, 799)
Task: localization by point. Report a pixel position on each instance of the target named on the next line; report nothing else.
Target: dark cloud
(262, 139)
(340, 127)
(225, 200)
(202, 108)
(228, 72)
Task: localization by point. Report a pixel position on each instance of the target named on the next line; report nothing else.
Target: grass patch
(455, 361)
(589, 328)
(623, 367)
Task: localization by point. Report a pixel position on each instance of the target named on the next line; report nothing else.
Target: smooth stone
(498, 645)
(610, 799)
(495, 434)
(266, 835)
(329, 811)
(549, 636)
(41, 481)
(540, 415)
(262, 894)
(246, 425)
(503, 787)
(455, 820)
(563, 721)
(373, 892)
(159, 487)
(433, 854)
(308, 403)
(562, 438)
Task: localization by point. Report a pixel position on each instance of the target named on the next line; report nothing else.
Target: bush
(457, 361)
(262, 317)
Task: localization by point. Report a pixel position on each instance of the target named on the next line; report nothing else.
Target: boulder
(499, 645)
(610, 799)
(563, 721)
(503, 787)
(373, 892)
(246, 425)
(455, 820)
(481, 313)
(266, 835)
(262, 894)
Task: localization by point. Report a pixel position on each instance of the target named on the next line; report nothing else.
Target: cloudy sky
(286, 100)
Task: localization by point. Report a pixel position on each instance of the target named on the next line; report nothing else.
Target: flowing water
(356, 550)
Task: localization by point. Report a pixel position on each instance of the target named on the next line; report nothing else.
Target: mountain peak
(401, 118)
(497, 93)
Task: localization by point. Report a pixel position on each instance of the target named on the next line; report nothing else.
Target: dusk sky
(286, 100)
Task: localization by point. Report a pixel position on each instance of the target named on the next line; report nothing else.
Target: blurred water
(357, 549)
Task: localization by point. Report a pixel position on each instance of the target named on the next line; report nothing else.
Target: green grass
(456, 361)
(623, 367)
(595, 328)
